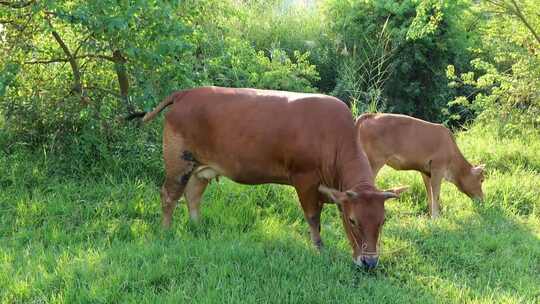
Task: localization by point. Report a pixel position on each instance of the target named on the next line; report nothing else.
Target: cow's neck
(459, 168)
(355, 173)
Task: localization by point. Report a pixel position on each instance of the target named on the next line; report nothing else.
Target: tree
(142, 44)
(502, 85)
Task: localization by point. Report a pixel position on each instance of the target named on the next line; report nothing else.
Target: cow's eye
(352, 221)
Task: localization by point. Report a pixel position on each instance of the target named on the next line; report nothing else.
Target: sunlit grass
(66, 239)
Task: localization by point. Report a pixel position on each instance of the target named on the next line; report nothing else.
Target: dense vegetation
(79, 207)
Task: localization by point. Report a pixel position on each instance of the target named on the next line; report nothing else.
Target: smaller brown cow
(407, 143)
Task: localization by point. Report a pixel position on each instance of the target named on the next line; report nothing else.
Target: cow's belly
(246, 176)
(401, 163)
(206, 172)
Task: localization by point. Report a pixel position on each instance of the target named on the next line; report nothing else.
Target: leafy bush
(237, 64)
(502, 87)
(74, 66)
(290, 26)
(426, 36)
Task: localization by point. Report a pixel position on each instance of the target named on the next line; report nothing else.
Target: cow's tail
(148, 116)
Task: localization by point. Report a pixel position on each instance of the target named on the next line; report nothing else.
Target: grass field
(72, 233)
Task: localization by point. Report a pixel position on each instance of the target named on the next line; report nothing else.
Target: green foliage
(237, 64)
(82, 65)
(426, 36)
(290, 26)
(505, 77)
(7, 75)
(72, 66)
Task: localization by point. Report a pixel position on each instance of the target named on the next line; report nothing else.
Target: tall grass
(364, 69)
(80, 237)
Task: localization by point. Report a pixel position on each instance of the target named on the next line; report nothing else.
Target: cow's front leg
(309, 199)
(314, 221)
(427, 184)
(435, 181)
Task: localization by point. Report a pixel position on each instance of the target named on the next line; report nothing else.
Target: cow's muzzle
(369, 262)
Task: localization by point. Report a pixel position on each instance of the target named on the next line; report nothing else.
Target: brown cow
(258, 136)
(407, 143)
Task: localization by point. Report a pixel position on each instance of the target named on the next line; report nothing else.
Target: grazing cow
(258, 136)
(407, 143)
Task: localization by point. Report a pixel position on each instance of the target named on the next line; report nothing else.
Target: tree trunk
(123, 80)
(77, 84)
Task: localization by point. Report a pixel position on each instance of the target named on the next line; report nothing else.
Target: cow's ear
(394, 192)
(336, 196)
(478, 170)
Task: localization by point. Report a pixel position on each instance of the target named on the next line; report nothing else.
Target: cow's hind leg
(194, 191)
(179, 165)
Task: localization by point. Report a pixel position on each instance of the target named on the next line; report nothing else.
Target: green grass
(92, 235)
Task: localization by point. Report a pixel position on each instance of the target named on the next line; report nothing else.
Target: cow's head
(471, 182)
(362, 213)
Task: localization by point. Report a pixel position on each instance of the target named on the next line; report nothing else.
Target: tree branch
(123, 80)
(520, 15)
(77, 84)
(513, 9)
(82, 43)
(72, 62)
(109, 58)
(47, 61)
(12, 4)
(55, 60)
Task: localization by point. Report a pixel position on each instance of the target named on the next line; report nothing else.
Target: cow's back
(404, 142)
(246, 131)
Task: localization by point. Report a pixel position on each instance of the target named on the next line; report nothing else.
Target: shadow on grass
(487, 255)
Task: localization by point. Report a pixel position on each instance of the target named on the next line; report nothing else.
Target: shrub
(502, 86)
(426, 36)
